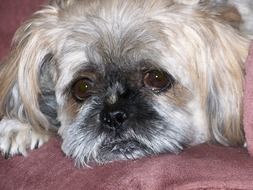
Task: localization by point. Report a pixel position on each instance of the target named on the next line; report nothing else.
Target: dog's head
(125, 79)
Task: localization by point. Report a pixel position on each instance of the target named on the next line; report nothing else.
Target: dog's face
(120, 101)
(134, 78)
(123, 91)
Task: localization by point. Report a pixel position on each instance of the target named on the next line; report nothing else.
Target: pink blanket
(248, 102)
(204, 167)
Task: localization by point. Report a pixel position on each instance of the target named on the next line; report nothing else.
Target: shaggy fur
(114, 46)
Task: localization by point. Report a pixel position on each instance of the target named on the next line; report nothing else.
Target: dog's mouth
(124, 150)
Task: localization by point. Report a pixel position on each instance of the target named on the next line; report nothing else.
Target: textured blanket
(202, 167)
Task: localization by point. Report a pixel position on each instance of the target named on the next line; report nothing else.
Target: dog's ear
(224, 87)
(20, 75)
(222, 52)
(61, 3)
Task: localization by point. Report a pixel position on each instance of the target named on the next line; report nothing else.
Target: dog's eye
(158, 80)
(81, 89)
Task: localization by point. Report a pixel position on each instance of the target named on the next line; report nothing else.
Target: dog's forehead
(122, 38)
(112, 30)
(82, 60)
(108, 52)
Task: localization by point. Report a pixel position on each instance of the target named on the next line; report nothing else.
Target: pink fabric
(248, 102)
(202, 167)
(12, 14)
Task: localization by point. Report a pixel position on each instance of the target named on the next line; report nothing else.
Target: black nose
(113, 119)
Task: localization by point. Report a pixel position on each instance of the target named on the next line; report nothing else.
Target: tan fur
(224, 73)
(179, 95)
(22, 67)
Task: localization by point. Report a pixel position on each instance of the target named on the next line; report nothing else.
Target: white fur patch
(17, 137)
(188, 2)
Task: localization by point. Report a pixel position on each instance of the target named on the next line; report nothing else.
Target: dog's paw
(17, 137)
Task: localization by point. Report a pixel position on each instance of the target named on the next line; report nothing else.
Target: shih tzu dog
(123, 79)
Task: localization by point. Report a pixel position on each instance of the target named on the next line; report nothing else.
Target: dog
(124, 79)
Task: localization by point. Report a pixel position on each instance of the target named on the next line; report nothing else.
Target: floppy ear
(225, 79)
(20, 86)
(226, 51)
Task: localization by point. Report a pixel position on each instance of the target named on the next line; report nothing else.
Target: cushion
(201, 167)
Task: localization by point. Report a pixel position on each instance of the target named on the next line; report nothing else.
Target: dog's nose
(113, 119)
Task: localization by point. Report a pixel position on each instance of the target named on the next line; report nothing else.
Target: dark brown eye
(81, 89)
(158, 80)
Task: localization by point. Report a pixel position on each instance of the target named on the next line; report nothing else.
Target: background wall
(12, 14)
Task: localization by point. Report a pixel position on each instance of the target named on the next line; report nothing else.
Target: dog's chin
(122, 150)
